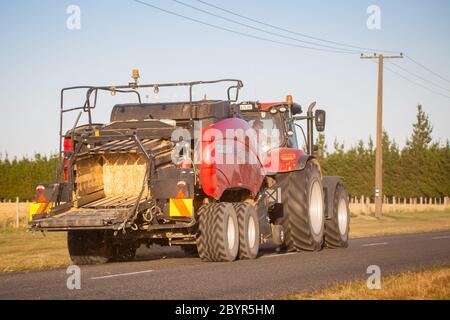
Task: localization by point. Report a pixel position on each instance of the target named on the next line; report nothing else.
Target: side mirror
(320, 118)
(296, 109)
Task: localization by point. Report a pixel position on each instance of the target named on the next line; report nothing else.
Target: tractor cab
(284, 119)
(274, 121)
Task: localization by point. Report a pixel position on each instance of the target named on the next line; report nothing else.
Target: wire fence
(366, 205)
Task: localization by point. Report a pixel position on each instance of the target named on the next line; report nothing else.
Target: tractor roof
(198, 110)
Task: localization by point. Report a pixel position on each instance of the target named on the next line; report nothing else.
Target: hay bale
(89, 176)
(123, 174)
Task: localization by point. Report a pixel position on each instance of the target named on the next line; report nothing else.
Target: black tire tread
(87, 247)
(210, 237)
(298, 208)
(333, 239)
(241, 211)
(283, 180)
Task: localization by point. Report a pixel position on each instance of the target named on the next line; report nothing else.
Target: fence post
(17, 213)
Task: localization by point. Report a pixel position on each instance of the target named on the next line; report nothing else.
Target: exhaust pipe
(310, 128)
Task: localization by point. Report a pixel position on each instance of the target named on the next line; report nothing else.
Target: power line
(427, 69)
(292, 32)
(419, 77)
(237, 32)
(248, 35)
(416, 83)
(262, 30)
(323, 40)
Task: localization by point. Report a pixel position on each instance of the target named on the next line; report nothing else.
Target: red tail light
(68, 146)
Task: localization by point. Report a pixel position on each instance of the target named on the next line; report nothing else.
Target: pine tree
(422, 130)
(321, 145)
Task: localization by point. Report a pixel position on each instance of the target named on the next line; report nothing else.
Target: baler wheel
(249, 234)
(124, 251)
(218, 232)
(88, 247)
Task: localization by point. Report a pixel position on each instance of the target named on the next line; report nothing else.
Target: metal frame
(132, 88)
(69, 156)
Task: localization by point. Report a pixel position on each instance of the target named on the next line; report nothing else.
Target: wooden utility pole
(379, 150)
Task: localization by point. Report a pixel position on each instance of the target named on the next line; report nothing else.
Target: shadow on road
(161, 253)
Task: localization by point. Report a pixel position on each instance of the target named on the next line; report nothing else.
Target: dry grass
(20, 250)
(8, 214)
(399, 223)
(432, 284)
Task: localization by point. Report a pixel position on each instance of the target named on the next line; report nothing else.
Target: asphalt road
(168, 274)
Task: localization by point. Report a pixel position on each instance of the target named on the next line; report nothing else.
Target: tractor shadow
(163, 253)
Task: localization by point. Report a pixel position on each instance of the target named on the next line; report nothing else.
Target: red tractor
(215, 177)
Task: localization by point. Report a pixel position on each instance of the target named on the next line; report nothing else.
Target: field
(399, 223)
(432, 284)
(8, 212)
(21, 251)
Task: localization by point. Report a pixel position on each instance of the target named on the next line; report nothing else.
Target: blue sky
(39, 56)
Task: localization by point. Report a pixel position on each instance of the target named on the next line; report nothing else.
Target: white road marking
(440, 238)
(121, 275)
(375, 244)
(279, 255)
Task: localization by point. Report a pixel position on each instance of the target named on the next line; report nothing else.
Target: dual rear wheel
(228, 231)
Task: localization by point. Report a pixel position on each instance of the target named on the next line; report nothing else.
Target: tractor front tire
(337, 228)
(218, 232)
(249, 233)
(88, 247)
(281, 211)
(306, 208)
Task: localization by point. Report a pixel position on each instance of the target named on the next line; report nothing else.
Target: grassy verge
(20, 251)
(432, 284)
(399, 223)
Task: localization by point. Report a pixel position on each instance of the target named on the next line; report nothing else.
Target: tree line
(420, 169)
(18, 178)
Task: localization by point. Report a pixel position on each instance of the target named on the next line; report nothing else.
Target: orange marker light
(135, 75)
(289, 99)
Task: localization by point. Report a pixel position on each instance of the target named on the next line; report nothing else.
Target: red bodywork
(220, 169)
(283, 160)
(268, 106)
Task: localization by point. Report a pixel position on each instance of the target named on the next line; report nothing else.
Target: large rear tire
(337, 228)
(306, 208)
(88, 247)
(218, 233)
(249, 233)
